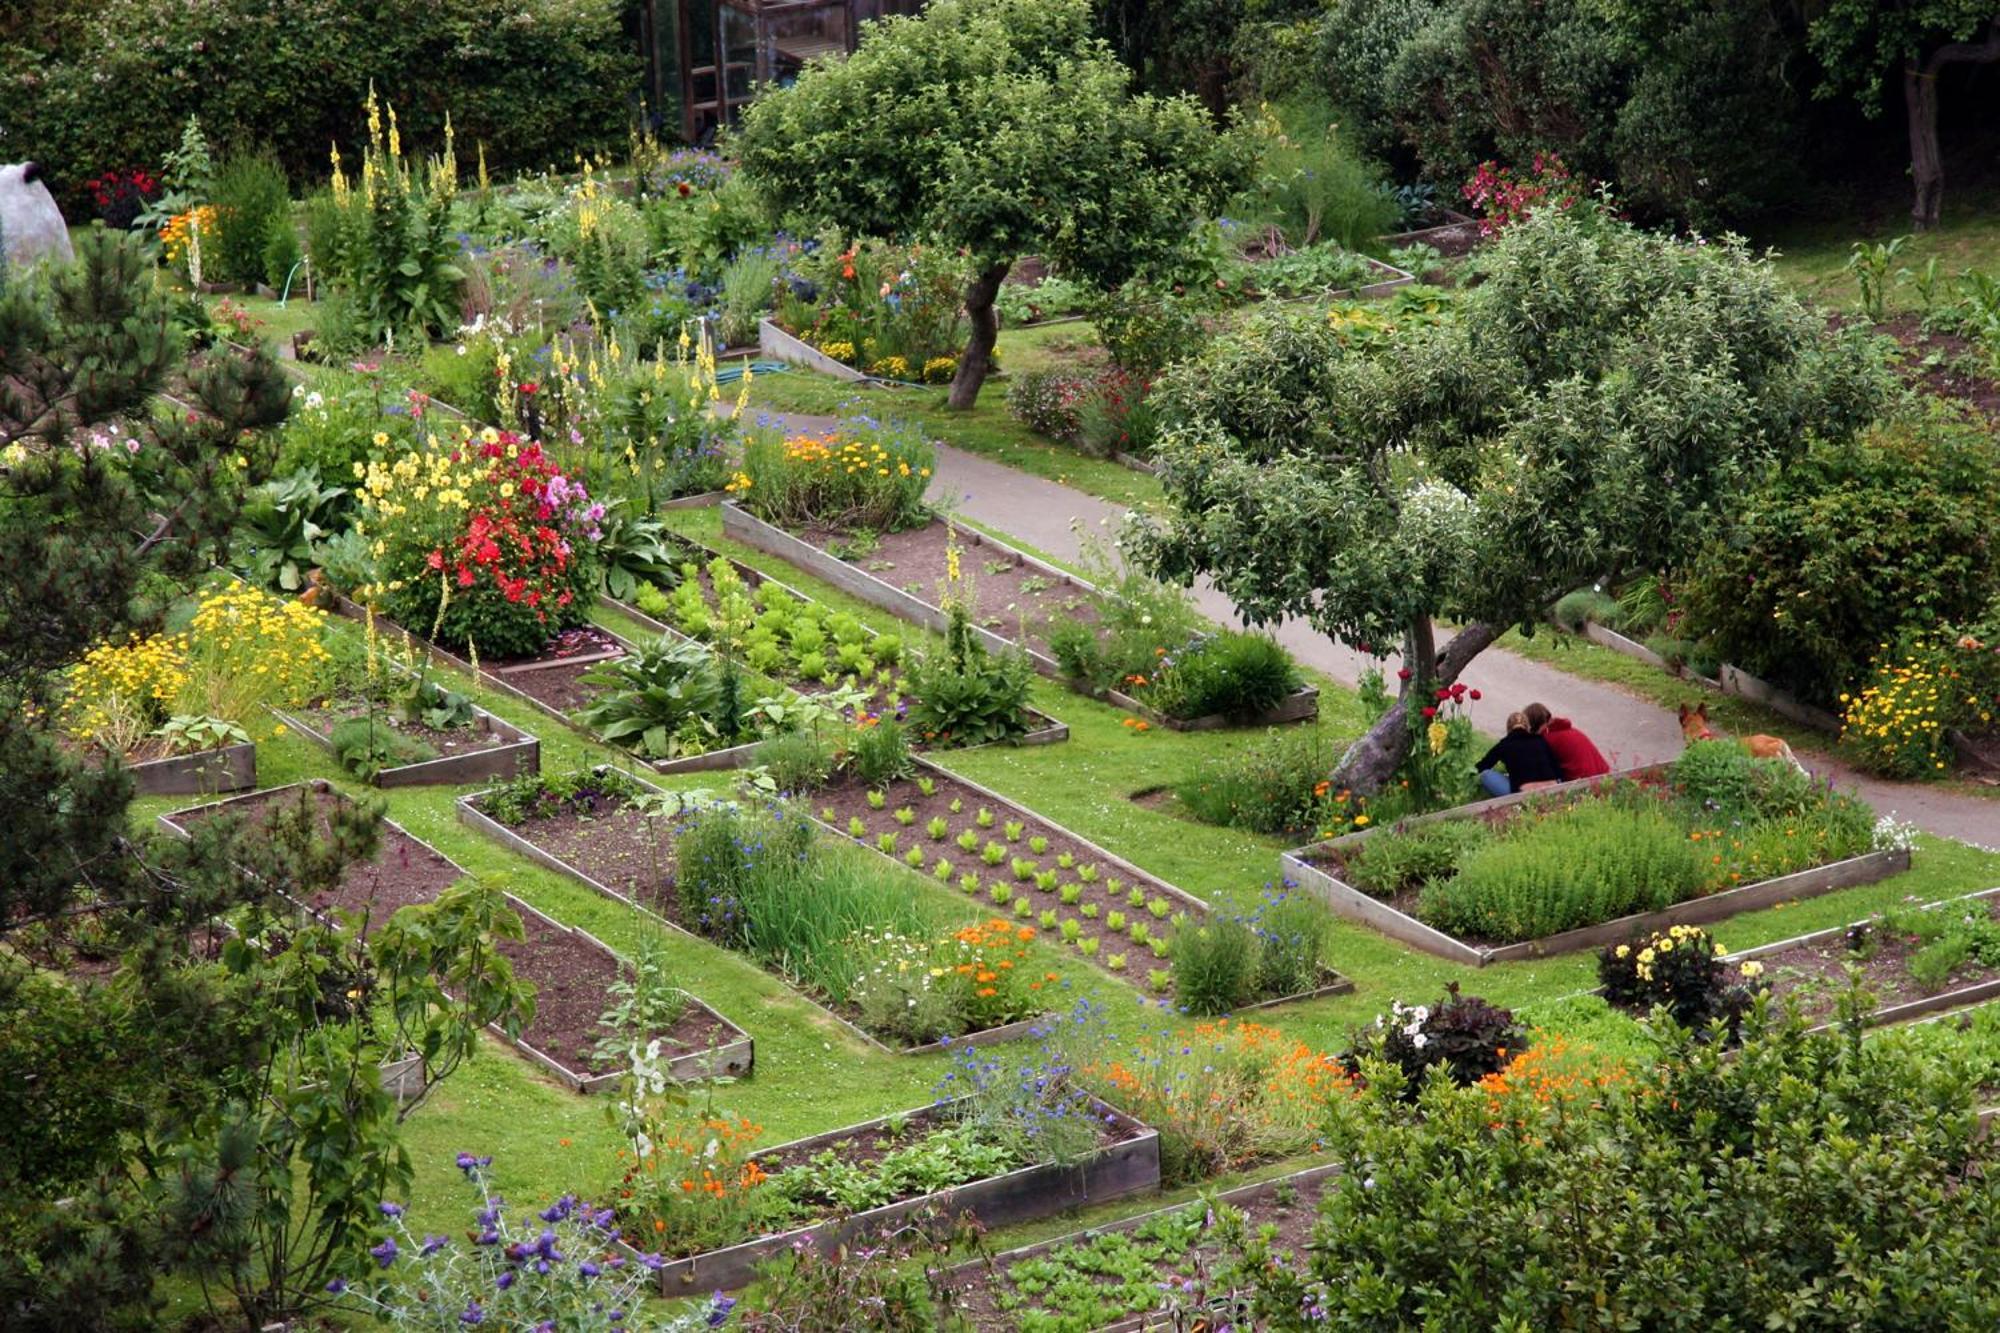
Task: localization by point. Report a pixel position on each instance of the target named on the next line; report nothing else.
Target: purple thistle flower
(385, 1253)
(335, 1287)
(390, 1209)
(431, 1245)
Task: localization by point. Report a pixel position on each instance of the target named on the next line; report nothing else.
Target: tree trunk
(978, 356)
(1371, 761)
(1920, 100)
(1926, 163)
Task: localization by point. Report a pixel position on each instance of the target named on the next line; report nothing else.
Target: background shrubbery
(103, 83)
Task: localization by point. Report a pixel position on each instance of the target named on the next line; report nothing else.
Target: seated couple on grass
(1539, 750)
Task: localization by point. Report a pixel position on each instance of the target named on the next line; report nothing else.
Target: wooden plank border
(1131, 1166)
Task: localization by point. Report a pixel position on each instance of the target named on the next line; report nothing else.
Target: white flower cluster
(1893, 835)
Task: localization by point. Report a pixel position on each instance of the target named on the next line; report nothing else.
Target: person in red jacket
(1575, 753)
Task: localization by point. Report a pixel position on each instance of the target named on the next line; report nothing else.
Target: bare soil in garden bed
(403, 872)
(847, 799)
(626, 851)
(1817, 972)
(573, 977)
(1945, 364)
(1128, 1265)
(552, 677)
(1011, 600)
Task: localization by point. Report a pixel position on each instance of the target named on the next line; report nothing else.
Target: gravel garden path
(1054, 519)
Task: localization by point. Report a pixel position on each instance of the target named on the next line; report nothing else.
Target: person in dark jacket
(1576, 754)
(1525, 757)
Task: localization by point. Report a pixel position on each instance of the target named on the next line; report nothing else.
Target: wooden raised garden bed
(1167, 1239)
(1008, 582)
(923, 548)
(572, 970)
(490, 748)
(210, 772)
(1316, 868)
(610, 855)
(1042, 729)
(1823, 956)
(1128, 1162)
(838, 804)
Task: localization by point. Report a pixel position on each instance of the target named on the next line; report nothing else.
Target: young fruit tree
(1592, 410)
(998, 127)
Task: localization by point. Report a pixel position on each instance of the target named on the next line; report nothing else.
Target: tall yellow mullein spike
(339, 181)
(395, 135)
(374, 115)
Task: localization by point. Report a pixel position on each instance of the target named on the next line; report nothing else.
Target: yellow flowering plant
(242, 652)
(1681, 970)
(861, 474)
(1895, 724)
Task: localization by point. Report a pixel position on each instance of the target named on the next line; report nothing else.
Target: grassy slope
(1813, 256)
(810, 1076)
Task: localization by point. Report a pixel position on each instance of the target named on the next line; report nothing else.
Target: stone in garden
(31, 226)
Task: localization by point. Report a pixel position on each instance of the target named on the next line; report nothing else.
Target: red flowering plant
(1503, 196)
(479, 541)
(121, 196)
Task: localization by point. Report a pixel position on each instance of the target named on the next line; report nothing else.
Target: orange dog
(1694, 727)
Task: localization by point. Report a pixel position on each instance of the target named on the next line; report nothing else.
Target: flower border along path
(1020, 593)
(1129, 1165)
(473, 816)
(1936, 1004)
(1306, 866)
(572, 994)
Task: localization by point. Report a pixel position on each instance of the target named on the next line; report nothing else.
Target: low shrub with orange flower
(691, 1180)
(1550, 1076)
(860, 474)
(1223, 1095)
(919, 989)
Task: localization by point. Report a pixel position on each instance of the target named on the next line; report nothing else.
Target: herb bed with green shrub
(1548, 871)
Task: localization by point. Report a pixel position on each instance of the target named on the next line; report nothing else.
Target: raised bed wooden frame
(735, 1056)
(229, 768)
(1345, 900)
(741, 525)
(725, 1060)
(1929, 1006)
(1048, 730)
(1131, 1166)
(1241, 1194)
(518, 754)
(474, 818)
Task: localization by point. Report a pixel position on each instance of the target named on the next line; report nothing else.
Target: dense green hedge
(536, 80)
(1695, 112)
(1851, 547)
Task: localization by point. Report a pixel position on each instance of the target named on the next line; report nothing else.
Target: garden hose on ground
(731, 374)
